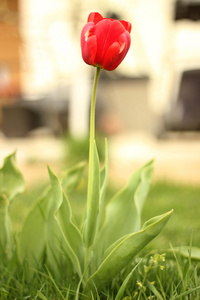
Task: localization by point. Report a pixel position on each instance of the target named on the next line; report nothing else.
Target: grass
(178, 278)
(185, 200)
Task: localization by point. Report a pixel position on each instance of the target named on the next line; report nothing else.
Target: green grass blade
(124, 252)
(41, 296)
(180, 272)
(155, 291)
(54, 283)
(186, 293)
(125, 282)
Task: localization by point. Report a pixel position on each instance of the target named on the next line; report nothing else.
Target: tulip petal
(116, 52)
(111, 57)
(107, 33)
(90, 49)
(88, 43)
(125, 40)
(126, 25)
(94, 17)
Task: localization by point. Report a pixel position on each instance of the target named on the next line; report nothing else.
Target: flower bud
(105, 42)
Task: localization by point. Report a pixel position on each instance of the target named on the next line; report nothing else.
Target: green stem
(92, 134)
(91, 163)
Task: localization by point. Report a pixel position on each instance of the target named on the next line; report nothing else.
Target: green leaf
(123, 212)
(42, 231)
(71, 234)
(71, 178)
(93, 208)
(33, 237)
(103, 188)
(11, 179)
(102, 210)
(104, 177)
(186, 251)
(123, 252)
(68, 233)
(6, 236)
(11, 184)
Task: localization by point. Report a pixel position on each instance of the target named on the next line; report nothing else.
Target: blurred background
(148, 107)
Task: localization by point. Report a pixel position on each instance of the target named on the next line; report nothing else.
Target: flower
(105, 42)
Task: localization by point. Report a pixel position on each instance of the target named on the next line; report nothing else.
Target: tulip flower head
(105, 42)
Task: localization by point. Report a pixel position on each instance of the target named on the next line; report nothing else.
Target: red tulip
(105, 42)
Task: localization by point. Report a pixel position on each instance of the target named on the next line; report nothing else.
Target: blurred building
(10, 81)
(182, 108)
(156, 88)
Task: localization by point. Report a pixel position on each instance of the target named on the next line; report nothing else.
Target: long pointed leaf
(123, 253)
(62, 227)
(103, 187)
(42, 232)
(186, 251)
(6, 235)
(71, 234)
(11, 184)
(11, 179)
(102, 209)
(93, 209)
(123, 212)
(32, 239)
(71, 178)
